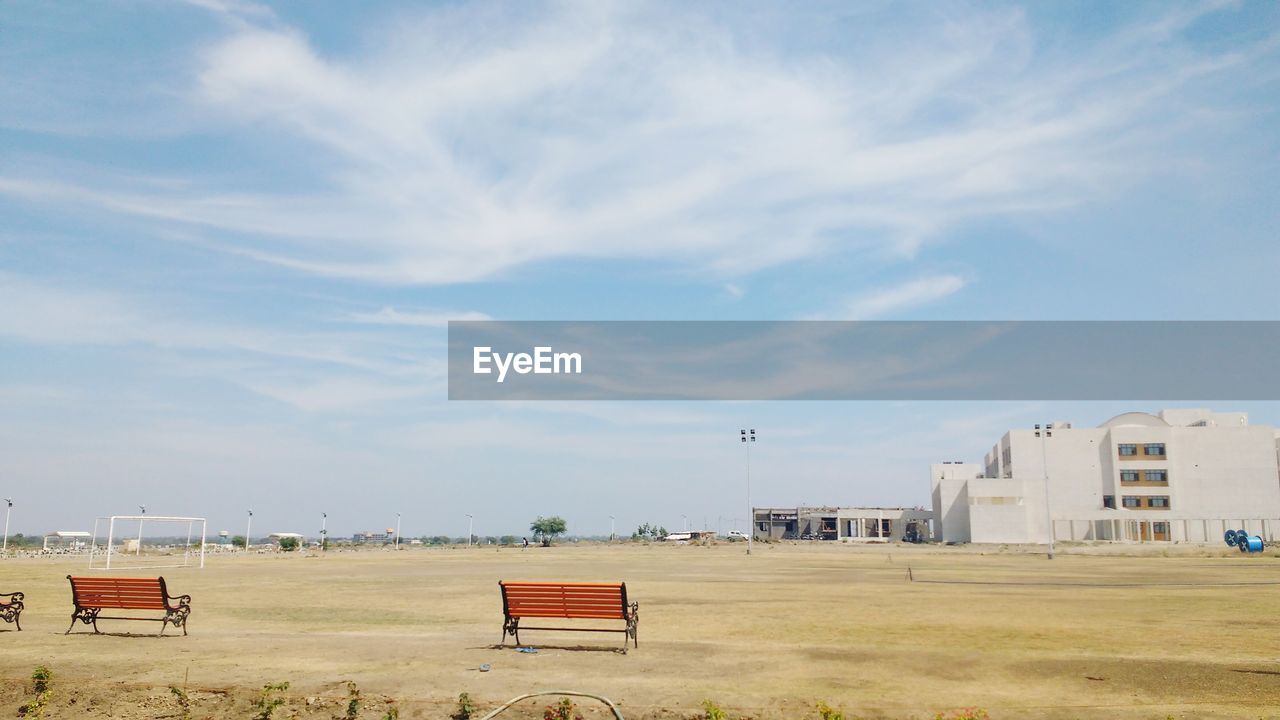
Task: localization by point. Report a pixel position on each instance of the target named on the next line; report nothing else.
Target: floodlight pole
(324, 532)
(471, 523)
(248, 529)
(613, 535)
(397, 545)
(8, 507)
(749, 440)
(1044, 464)
(142, 513)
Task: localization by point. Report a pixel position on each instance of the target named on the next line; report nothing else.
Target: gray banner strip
(820, 360)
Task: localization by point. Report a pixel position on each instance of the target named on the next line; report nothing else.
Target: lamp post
(142, 509)
(1044, 435)
(686, 522)
(612, 534)
(397, 546)
(324, 531)
(471, 523)
(8, 507)
(248, 528)
(749, 440)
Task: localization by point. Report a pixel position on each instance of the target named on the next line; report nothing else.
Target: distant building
(372, 538)
(66, 540)
(848, 524)
(1184, 475)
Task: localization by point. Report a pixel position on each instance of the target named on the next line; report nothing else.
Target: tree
(545, 529)
(238, 541)
(289, 544)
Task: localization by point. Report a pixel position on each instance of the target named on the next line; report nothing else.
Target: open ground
(1086, 635)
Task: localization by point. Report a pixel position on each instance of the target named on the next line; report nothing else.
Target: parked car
(735, 535)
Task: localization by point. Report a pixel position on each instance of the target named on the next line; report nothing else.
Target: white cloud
(415, 318)
(888, 300)
(468, 142)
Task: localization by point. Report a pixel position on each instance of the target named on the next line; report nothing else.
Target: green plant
(353, 701)
(184, 701)
(268, 700)
(41, 685)
(829, 713)
(393, 713)
(563, 710)
(712, 711)
(466, 708)
(969, 713)
(289, 544)
(546, 529)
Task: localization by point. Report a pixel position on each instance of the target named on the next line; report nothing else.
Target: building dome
(1139, 419)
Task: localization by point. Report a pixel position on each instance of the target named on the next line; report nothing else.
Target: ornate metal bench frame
(10, 609)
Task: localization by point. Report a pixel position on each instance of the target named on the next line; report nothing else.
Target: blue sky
(231, 235)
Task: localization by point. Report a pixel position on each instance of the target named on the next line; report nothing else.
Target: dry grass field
(1087, 635)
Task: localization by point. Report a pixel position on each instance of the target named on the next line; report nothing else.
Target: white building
(1180, 476)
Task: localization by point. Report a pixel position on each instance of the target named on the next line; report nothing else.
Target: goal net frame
(97, 553)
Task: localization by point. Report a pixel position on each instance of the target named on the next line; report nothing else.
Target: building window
(1153, 449)
(1158, 501)
(1160, 528)
(1160, 476)
(1109, 501)
(1128, 476)
(1128, 449)
(1132, 502)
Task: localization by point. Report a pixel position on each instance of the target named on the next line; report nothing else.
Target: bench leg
(511, 627)
(88, 616)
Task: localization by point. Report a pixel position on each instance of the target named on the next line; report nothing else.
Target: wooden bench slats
(574, 601)
(90, 595)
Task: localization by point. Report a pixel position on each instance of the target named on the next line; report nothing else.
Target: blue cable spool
(1252, 544)
(1230, 537)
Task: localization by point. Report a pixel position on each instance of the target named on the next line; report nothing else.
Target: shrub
(41, 684)
(353, 701)
(466, 708)
(969, 713)
(829, 713)
(269, 700)
(711, 711)
(184, 701)
(563, 710)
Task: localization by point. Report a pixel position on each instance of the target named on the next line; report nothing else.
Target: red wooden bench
(92, 595)
(11, 608)
(572, 601)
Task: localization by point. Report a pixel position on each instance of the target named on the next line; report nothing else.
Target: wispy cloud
(884, 301)
(413, 318)
(470, 142)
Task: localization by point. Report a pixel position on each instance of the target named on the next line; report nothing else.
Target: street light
(471, 523)
(686, 522)
(612, 535)
(1044, 463)
(324, 531)
(138, 550)
(7, 509)
(247, 530)
(397, 546)
(749, 440)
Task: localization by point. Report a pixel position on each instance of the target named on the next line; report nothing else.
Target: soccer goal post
(147, 541)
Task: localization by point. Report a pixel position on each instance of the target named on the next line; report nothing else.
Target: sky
(231, 235)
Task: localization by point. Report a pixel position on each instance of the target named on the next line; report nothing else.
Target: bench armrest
(14, 597)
